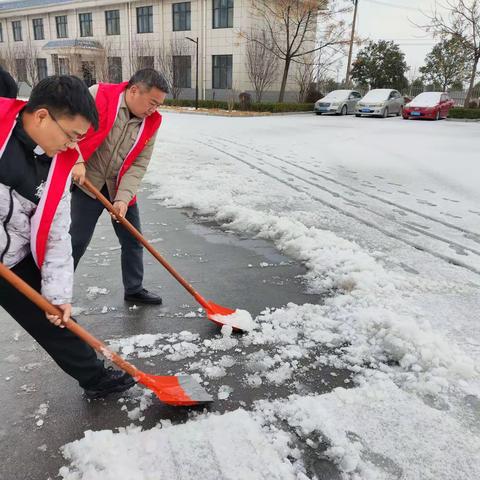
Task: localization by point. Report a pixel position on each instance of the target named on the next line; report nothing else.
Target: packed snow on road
(385, 215)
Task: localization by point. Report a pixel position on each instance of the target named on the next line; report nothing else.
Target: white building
(106, 40)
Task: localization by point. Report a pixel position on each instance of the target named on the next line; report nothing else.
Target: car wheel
(357, 115)
(400, 112)
(318, 113)
(344, 110)
(385, 113)
(437, 116)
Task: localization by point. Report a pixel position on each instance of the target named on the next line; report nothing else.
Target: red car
(432, 105)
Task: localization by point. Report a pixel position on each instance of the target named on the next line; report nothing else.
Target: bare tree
(170, 59)
(9, 57)
(261, 63)
(102, 64)
(30, 53)
(143, 55)
(461, 22)
(304, 77)
(297, 28)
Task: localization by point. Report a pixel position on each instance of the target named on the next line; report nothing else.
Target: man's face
(57, 133)
(143, 102)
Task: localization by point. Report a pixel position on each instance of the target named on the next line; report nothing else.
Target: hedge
(254, 107)
(473, 113)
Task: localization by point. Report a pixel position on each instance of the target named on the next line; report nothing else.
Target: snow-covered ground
(385, 214)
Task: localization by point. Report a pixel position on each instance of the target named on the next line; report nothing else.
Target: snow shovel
(177, 391)
(237, 319)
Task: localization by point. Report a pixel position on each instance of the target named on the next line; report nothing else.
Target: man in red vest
(37, 153)
(115, 159)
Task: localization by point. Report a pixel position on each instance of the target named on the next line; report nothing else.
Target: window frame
(85, 23)
(114, 21)
(228, 12)
(111, 67)
(142, 16)
(60, 24)
(37, 25)
(186, 24)
(217, 72)
(178, 68)
(17, 30)
(38, 69)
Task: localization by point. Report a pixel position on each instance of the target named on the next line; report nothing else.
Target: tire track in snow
(357, 190)
(410, 243)
(410, 226)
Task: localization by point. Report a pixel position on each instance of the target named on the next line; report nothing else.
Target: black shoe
(144, 296)
(111, 381)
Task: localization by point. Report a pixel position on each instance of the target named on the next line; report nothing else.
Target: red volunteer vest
(55, 185)
(108, 100)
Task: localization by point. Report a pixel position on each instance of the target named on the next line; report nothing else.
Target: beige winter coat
(104, 165)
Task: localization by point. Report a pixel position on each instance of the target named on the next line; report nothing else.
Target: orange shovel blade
(178, 391)
(215, 313)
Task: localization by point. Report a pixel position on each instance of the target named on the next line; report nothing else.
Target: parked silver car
(340, 102)
(380, 102)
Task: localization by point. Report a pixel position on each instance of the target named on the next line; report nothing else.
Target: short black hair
(150, 78)
(8, 86)
(64, 95)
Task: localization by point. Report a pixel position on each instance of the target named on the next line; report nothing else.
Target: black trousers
(71, 354)
(85, 214)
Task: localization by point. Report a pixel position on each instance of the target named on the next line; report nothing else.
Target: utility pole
(347, 77)
(196, 72)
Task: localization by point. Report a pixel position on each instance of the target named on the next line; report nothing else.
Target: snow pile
(378, 431)
(228, 447)
(240, 319)
(94, 292)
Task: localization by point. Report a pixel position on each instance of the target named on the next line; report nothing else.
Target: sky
(394, 20)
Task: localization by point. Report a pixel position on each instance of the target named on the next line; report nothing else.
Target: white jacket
(57, 269)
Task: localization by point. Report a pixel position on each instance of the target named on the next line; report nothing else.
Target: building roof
(21, 4)
(73, 43)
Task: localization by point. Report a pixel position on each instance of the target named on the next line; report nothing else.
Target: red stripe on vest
(58, 176)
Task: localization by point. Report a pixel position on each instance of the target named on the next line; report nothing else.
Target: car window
(357, 95)
(392, 95)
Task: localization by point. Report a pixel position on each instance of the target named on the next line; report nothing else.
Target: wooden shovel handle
(47, 307)
(106, 203)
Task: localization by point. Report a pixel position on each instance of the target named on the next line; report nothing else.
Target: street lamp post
(196, 72)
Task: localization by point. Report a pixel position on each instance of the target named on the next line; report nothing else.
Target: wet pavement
(43, 409)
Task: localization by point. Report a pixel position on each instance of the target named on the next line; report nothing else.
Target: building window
(146, 62)
(17, 30)
(38, 33)
(1, 32)
(222, 13)
(62, 30)
(145, 20)
(85, 20)
(21, 68)
(182, 71)
(222, 71)
(42, 68)
(181, 16)
(89, 73)
(115, 69)
(112, 22)
(63, 66)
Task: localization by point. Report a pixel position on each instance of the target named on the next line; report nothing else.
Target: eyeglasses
(71, 140)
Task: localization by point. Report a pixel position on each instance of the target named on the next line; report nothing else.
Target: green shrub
(255, 107)
(471, 113)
